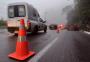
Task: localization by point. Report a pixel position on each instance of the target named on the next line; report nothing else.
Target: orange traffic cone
(22, 51)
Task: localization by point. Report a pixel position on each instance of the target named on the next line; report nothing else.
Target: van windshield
(16, 11)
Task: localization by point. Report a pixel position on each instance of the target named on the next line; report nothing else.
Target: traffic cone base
(22, 52)
(15, 56)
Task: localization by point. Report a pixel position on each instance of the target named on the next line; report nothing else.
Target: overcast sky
(41, 5)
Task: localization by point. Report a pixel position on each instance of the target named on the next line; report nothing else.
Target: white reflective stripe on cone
(21, 38)
(22, 27)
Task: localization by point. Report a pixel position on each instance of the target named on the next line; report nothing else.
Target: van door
(40, 21)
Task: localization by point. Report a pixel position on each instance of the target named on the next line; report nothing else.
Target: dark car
(53, 26)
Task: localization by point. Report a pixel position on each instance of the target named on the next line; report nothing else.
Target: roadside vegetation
(2, 23)
(80, 15)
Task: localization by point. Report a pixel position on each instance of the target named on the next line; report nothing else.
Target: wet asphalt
(70, 46)
(36, 43)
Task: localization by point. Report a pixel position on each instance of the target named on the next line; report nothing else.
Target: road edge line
(43, 51)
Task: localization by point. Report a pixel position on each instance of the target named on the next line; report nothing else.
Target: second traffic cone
(57, 29)
(22, 52)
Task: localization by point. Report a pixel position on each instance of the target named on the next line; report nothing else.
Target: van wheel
(45, 29)
(35, 30)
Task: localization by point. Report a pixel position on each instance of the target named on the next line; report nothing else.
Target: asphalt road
(69, 46)
(36, 43)
(66, 46)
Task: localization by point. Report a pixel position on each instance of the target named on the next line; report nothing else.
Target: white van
(20, 10)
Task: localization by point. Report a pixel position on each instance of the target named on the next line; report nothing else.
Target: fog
(51, 10)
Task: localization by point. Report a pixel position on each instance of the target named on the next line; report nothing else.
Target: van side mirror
(44, 21)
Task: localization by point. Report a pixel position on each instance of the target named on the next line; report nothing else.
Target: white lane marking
(9, 34)
(87, 32)
(42, 52)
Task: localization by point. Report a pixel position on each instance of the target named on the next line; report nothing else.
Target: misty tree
(67, 9)
(2, 22)
(80, 14)
(83, 12)
(72, 15)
